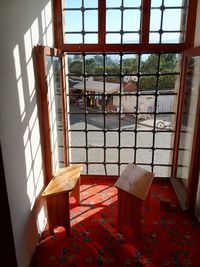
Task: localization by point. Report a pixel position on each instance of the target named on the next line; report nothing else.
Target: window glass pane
(73, 38)
(148, 83)
(94, 64)
(156, 3)
(173, 24)
(95, 139)
(75, 64)
(78, 154)
(128, 102)
(155, 20)
(149, 63)
(112, 169)
(127, 139)
(91, 38)
(91, 3)
(169, 63)
(112, 139)
(144, 139)
(96, 169)
(54, 108)
(163, 140)
(171, 38)
(77, 121)
(73, 21)
(167, 82)
(112, 155)
(144, 156)
(172, 3)
(95, 121)
(126, 155)
(95, 155)
(161, 171)
(131, 20)
(73, 4)
(112, 64)
(91, 20)
(113, 3)
(162, 157)
(131, 3)
(113, 38)
(78, 139)
(154, 38)
(113, 20)
(131, 38)
(129, 64)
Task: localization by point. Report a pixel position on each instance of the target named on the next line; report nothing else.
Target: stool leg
(76, 192)
(58, 212)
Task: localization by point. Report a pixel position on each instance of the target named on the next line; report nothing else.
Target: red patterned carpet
(169, 236)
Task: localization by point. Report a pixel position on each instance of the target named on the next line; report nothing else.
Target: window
(122, 109)
(123, 80)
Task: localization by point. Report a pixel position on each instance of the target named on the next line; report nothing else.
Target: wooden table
(133, 186)
(64, 181)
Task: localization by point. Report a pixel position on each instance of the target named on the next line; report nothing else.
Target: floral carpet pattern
(169, 236)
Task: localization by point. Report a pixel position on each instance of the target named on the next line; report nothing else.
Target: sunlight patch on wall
(20, 88)
(34, 175)
(31, 38)
(47, 28)
(41, 220)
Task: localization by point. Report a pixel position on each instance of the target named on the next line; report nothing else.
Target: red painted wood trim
(102, 21)
(58, 23)
(43, 112)
(146, 10)
(193, 179)
(124, 48)
(64, 112)
(191, 22)
(179, 118)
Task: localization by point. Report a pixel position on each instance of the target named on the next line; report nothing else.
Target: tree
(166, 67)
(129, 65)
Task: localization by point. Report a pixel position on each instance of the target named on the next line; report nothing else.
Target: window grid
(119, 130)
(83, 32)
(122, 9)
(163, 8)
(134, 36)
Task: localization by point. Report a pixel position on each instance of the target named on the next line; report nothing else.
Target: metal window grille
(107, 137)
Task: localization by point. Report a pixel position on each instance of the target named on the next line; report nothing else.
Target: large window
(123, 69)
(122, 110)
(124, 22)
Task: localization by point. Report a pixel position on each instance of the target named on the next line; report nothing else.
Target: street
(95, 140)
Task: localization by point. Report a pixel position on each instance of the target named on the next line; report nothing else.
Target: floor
(169, 237)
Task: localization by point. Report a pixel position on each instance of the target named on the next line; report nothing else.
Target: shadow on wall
(31, 24)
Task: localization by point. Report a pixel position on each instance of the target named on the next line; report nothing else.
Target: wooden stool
(133, 186)
(57, 192)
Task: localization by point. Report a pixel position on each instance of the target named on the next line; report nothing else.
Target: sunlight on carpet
(169, 236)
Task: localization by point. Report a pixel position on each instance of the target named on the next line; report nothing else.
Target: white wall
(24, 23)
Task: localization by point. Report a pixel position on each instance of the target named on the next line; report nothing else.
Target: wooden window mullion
(145, 21)
(101, 21)
(58, 23)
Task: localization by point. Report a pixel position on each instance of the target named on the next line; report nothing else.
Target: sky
(131, 21)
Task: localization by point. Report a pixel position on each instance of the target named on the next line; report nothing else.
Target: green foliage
(129, 65)
(94, 66)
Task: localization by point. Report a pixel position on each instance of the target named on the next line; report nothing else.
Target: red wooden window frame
(190, 192)
(40, 53)
(144, 46)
